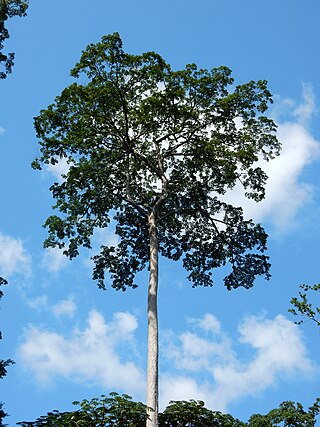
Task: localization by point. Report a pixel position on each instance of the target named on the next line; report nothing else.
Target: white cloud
(66, 307)
(53, 260)
(38, 303)
(279, 351)
(91, 354)
(59, 169)
(286, 193)
(13, 257)
(102, 237)
(183, 388)
(208, 323)
(203, 362)
(2, 131)
(194, 352)
(213, 372)
(307, 108)
(105, 236)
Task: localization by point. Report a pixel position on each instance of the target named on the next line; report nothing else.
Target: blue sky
(239, 351)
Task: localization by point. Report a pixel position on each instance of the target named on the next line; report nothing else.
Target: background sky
(238, 351)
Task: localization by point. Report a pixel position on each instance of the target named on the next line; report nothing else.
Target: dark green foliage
(9, 9)
(303, 307)
(121, 411)
(3, 363)
(3, 414)
(289, 414)
(112, 411)
(3, 367)
(141, 138)
(194, 414)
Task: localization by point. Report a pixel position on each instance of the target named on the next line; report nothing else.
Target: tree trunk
(152, 385)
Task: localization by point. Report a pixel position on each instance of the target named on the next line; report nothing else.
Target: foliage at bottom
(120, 411)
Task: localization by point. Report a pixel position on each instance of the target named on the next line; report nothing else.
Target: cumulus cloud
(179, 387)
(286, 192)
(279, 351)
(66, 307)
(193, 351)
(13, 257)
(53, 260)
(91, 354)
(208, 323)
(202, 362)
(212, 371)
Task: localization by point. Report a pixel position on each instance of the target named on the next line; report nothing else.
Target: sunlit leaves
(303, 307)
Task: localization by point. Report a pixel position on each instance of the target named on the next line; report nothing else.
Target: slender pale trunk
(152, 385)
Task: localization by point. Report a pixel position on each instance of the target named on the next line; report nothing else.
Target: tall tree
(8, 9)
(154, 150)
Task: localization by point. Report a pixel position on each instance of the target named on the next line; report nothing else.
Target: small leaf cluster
(3, 363)
(9, 9)
(303, 307)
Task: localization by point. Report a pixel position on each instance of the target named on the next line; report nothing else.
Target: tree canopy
(140, 137)
(289, 414)
(121, 411)
(113, 410)
(9, 9)
(193, 413)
